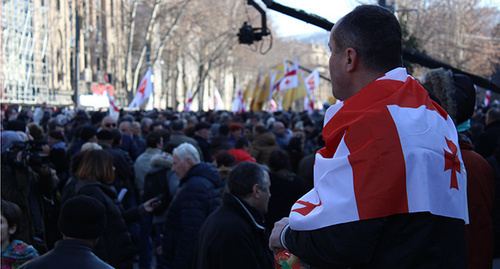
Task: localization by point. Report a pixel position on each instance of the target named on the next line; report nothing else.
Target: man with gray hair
(234, 235)
(198, 196)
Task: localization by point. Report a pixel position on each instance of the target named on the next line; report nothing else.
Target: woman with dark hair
(14, 252)
(225, 162)
(95, 175)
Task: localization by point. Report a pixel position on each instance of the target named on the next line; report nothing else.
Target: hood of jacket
(206, 170)
(109, 190)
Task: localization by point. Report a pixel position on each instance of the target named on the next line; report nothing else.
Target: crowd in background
(51, 155)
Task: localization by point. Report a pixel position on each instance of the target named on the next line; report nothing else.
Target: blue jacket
(198, 196)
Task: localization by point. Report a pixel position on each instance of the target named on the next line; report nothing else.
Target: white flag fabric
(144, 90)
(114, 111)
(389, 150)
(239, 102)
(309, 104)
(290, 80)
(189, 101)
(219, 105)
(312, 81)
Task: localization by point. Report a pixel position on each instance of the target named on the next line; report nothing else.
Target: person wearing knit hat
(82, 220)
(456, 94)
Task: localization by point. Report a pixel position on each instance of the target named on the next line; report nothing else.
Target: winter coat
(411, 240)
(197, 197)
(487, 141)
(115, 245)
(233, 237)
(242, 155)
(68, 253)
(160, 182)
(205, 148)
(262, 146)
(286, 188)
(142, 166)
(480, 197)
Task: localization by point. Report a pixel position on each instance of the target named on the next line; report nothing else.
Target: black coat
(487, 141)
(233, 237)
(197, 197)
(115, 245)
(416, 240)
(286, 188)
(68, 253)
(205, 148)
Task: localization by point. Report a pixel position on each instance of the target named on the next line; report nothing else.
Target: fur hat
(82, 217)
(455, 93)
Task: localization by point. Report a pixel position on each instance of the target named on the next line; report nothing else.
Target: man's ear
(13, 229)
(352, 59)
(255, 191)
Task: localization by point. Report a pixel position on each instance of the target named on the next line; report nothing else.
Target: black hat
(82, 217)
(87, 132)
(202, 125)
(105, 135)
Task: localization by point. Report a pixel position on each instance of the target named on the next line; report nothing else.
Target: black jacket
(416, 240)
(487, 142)
(68, 253)
(115, 245)
(197, 197)
(233, 237)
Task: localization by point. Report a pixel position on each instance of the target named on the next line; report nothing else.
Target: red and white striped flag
(389, 150)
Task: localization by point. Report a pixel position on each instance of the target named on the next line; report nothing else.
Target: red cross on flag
(144, 90)
(389, 150)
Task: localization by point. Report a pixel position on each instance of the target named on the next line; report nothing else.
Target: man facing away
(82, 221)
(234, 235)
(390, 184)
(198, 195)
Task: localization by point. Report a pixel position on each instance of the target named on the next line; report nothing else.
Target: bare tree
(458, 32)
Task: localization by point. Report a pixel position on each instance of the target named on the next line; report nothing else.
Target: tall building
(55, 51)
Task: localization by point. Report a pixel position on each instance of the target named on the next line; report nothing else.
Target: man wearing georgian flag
(390, 185)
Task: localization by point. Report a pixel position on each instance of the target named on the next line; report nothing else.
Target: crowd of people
(357, 184)
(158, 173)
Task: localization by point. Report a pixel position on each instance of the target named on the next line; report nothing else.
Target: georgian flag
(389, 150)
(290, 80)
(312, 81)
(144, 90)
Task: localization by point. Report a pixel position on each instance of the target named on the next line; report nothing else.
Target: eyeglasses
(110, 125)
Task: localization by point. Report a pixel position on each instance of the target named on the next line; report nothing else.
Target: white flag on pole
(144, 90)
